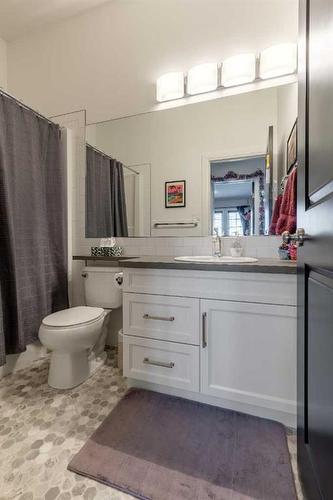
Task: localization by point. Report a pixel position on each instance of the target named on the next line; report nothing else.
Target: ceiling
(19, 17)
(105, 57)
(233, 190)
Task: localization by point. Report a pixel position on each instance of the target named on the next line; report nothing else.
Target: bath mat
(160, 447)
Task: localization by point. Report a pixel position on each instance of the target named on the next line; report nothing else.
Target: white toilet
(76, 335)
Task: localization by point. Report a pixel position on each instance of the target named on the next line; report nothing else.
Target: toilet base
(96, 362)
(70, 369)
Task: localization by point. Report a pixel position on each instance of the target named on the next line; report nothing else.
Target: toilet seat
(74, 316)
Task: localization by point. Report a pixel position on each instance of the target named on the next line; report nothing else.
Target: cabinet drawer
(175, 319)
(165, 363)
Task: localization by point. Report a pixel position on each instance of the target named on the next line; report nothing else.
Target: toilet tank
(101, 288)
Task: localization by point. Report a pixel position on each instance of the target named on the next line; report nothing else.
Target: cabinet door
(248, 353)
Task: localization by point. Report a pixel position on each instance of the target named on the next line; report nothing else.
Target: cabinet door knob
(204, 329)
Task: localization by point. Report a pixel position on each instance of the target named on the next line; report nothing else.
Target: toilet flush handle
(119, 278)
(84, 275)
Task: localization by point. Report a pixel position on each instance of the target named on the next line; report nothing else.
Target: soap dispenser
(217, 243)
(236, 248)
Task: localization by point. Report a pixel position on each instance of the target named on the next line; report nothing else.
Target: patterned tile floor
(42, 428)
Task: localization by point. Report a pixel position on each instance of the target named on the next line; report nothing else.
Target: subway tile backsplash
(253, 246)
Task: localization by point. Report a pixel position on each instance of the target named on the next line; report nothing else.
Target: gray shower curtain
(33, 225)
(105, 196)
(119, 214)
(98, 195)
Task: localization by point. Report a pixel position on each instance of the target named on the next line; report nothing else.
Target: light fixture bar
(202, 78)
(170, 86)
(278, 60)
(238, 70)
(275, 61)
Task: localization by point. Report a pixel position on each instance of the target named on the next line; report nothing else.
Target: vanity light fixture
(274, 61)
(278, 60)
(170, 86)
(202, 78)
(238, 70)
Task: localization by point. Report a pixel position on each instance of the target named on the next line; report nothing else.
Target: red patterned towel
(287, 217)
(276, 214)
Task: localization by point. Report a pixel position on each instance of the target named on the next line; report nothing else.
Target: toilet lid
(73, 316)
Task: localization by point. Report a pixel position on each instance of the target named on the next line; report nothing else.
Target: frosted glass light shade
(239, 69)
(278, 60)
(202, 78)
(170, 86)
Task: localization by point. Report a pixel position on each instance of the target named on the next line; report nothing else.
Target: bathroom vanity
(216, 333)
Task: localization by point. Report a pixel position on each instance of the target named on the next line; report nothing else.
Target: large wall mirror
(194, 170)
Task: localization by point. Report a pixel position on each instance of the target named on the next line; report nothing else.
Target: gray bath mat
(159, 447)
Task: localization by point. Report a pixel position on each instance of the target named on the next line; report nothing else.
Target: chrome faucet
(218, 253)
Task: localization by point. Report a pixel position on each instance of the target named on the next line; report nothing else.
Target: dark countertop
(101, 257)
(273, 266)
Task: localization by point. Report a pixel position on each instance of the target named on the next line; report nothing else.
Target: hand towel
(276, 214)
(287, 217)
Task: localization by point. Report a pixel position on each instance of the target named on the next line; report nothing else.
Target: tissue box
(106, 251)
(96, 251)
(114, 251)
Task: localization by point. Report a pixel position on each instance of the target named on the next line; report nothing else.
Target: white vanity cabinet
(249, 353)
(228, 339)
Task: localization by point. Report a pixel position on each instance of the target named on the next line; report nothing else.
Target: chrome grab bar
(159, 318)
(148, 361)
(175, 224)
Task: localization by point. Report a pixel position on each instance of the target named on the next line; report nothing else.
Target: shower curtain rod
(108, 156)
(20, 103)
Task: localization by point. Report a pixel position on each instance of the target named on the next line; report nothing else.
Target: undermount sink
(217, 260)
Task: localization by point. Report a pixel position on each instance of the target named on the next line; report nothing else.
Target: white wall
(75, 122)
(107, 60)
(3, 64)
(287, 114)
(174, 142)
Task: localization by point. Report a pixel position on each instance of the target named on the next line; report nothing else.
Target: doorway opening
(238, 196)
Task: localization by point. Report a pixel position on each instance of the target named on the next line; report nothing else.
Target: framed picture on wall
(175, 194)
(292, 148)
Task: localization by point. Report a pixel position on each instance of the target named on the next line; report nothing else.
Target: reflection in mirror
(230, 155)
(117, 197)
(105, 196)
(137, 193)
(238, 196)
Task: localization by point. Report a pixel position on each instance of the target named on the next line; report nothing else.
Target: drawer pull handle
(148, 361)
(159, 318)
(204, 329)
